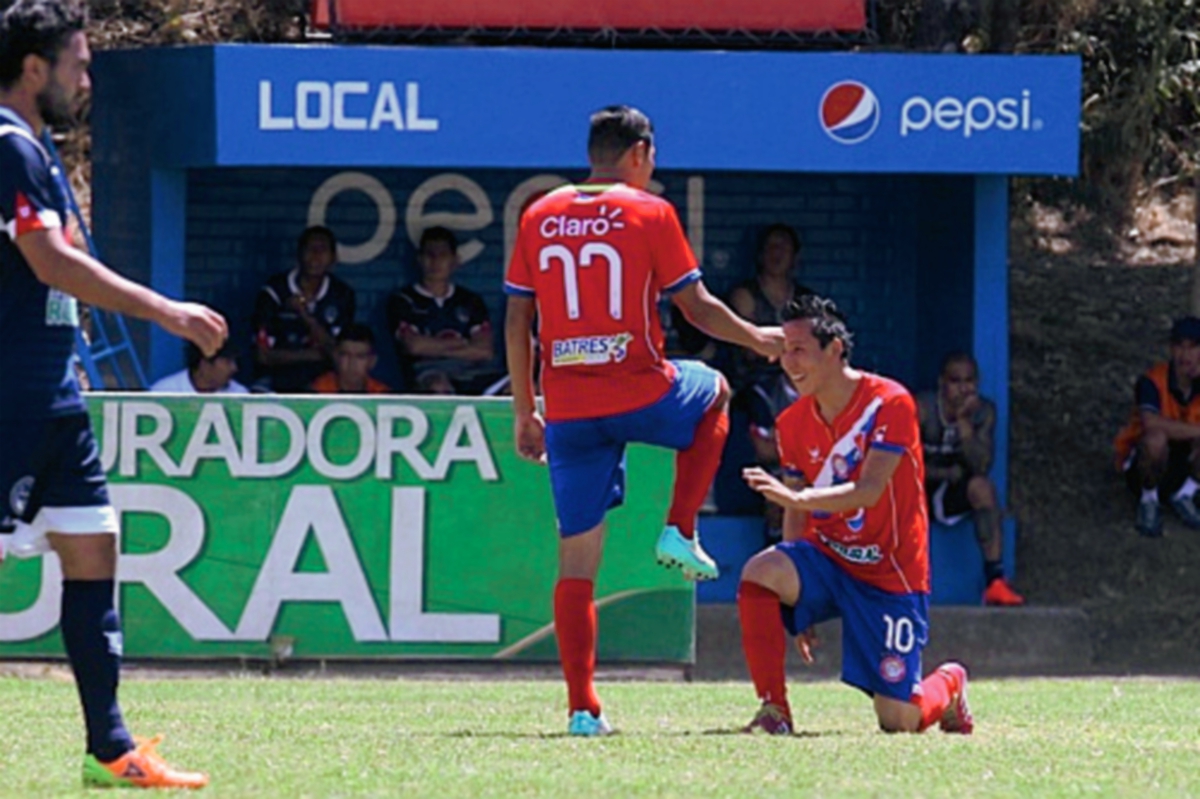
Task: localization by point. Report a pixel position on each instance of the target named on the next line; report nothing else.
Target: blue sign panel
(498, 107)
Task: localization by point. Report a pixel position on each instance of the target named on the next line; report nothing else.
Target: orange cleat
(1000, 593)
(140, 768)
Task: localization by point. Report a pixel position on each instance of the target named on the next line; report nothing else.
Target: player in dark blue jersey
(53, 494)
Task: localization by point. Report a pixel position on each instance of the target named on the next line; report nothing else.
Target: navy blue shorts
(587, 456)
(51, 479)
(882, 633)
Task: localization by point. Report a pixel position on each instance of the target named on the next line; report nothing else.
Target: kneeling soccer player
(856, 538)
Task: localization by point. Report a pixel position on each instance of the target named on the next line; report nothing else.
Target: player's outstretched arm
(529, 430)
(59, 265)
(716, 319)
(864, 492)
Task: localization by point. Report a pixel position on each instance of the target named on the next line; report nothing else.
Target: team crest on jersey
(18, 496)
(892, 669)
(590, 350)
(61, 310)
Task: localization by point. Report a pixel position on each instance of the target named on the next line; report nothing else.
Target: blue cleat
(584, 724)
(1185, 509)
(1149, 519)
(675, 550)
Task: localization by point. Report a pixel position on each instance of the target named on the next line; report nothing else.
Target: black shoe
(1150, 518)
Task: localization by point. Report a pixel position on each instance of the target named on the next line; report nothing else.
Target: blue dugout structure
(893, 168)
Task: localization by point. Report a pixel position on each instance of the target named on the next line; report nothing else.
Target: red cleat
(999, 593)
(770, 719)
(957, 719)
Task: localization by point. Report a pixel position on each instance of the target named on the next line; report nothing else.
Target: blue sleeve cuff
(518, 291)
(686, 280)
(886, 447)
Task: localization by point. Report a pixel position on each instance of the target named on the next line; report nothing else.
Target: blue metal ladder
(106, 352)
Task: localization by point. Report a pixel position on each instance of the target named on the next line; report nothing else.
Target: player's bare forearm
(714, 318)
(518, 346)
(478, 348)
(59, 265)
(977, 451)
(1174, 429)
(793, 524)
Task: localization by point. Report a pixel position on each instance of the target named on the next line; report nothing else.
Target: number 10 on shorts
(899, 635)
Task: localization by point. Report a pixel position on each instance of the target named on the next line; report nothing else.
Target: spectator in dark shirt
(762, 298)
(353, 359)
(298, 315)
(437, 325)
(1159, 448)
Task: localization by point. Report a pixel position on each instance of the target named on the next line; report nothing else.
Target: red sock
(695, 468)
(764, 641)
(575, 626)
(936, 692)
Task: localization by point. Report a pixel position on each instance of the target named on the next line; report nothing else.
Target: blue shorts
(587, 456)
(51, 479)
(882, 633)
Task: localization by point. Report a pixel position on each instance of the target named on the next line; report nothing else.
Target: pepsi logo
(849, 112)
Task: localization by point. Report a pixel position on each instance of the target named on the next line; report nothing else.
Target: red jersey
(886, 545)
(597, 257)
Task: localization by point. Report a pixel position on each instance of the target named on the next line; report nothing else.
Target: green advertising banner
(348, 528)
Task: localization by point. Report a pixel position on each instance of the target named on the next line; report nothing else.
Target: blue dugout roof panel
(249, 105)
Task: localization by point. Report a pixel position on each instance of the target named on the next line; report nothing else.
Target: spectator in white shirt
(204, 375)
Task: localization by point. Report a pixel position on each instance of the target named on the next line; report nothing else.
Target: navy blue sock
(91, 633)
(992, 570)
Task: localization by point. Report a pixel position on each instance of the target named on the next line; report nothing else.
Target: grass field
(264, 737)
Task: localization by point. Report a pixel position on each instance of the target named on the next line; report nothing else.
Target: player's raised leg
(769, 579)
(696, 410)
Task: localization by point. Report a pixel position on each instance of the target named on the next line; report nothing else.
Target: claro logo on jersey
(590, 350)
(850, 113)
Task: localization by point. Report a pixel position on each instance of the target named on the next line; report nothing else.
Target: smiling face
(809, 366)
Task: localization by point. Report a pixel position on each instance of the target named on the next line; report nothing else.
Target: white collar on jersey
(294, 285)
(424, 292)
(14, 118)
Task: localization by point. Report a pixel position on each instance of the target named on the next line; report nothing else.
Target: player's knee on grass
(897, 716)
(774, 570)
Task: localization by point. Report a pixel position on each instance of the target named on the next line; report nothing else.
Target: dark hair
(614, 130)
(828, 323)
(315, 232)
(959, 356)
(779, 227)
(193, 356)
(438, 233)
(1185, 328)
(36, 27)
(357, 331)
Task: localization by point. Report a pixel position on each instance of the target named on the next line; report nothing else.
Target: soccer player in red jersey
(591, 261)
(856, 537)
